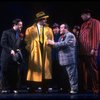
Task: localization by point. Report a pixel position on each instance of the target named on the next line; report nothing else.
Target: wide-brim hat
(85, 11)
(41, 15)
(18, 57)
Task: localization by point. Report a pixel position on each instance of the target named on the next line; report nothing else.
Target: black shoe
(73, 92)
(15, 92)
(49, 90)
(38, 90)
(5, 91)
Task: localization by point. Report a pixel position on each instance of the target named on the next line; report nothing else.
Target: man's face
(85, 16)
(74, 30)
(19, 26)
(43, 21)
(56, 30)
(62, 29)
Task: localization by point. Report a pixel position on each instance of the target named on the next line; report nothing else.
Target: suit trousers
(10, 75)
(73, 76)
(89, 74)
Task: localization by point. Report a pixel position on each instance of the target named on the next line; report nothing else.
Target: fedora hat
(41, 15)
(85, 11)
(18, 57)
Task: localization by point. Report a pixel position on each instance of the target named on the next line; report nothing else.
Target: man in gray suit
(66, 46)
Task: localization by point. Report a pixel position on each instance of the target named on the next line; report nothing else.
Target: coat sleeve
(96, 34)
(28, 39)
(69, 41)
(51, 32)
(4, 42)
(50, 35)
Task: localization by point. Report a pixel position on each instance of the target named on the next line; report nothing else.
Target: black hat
(18, 57)
(86, 11)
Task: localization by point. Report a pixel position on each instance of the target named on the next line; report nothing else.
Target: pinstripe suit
(66, 53)
(89, 40)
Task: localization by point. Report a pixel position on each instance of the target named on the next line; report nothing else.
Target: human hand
(18, 50)
(51, 42)
(92, 52)
(12, 52)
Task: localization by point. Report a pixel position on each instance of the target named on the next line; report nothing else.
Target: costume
(67, 58)
(10, 63)
(89, 40)
(39, 60)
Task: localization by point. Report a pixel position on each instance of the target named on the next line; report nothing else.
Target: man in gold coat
(39, 67)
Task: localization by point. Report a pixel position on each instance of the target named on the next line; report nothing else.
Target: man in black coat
(11, 56)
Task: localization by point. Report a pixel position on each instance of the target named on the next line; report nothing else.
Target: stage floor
(49, 96)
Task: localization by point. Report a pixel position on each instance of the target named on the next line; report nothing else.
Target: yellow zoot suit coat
(39, 66)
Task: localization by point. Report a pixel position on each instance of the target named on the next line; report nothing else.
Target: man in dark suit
(56, 69)
(66, 46)
(11, 56)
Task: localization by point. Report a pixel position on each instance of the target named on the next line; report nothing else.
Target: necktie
(41, 34)
(17, 35)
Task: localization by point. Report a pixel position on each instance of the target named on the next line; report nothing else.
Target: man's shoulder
(32, 26)
(94, 20)
(48, 27)
(7, 31)
(69, 34)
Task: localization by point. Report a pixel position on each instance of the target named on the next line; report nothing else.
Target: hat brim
(86, 11)
(43, 17)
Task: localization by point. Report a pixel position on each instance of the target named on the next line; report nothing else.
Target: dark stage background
(59, 11)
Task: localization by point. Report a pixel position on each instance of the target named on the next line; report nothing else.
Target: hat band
(41, 16)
